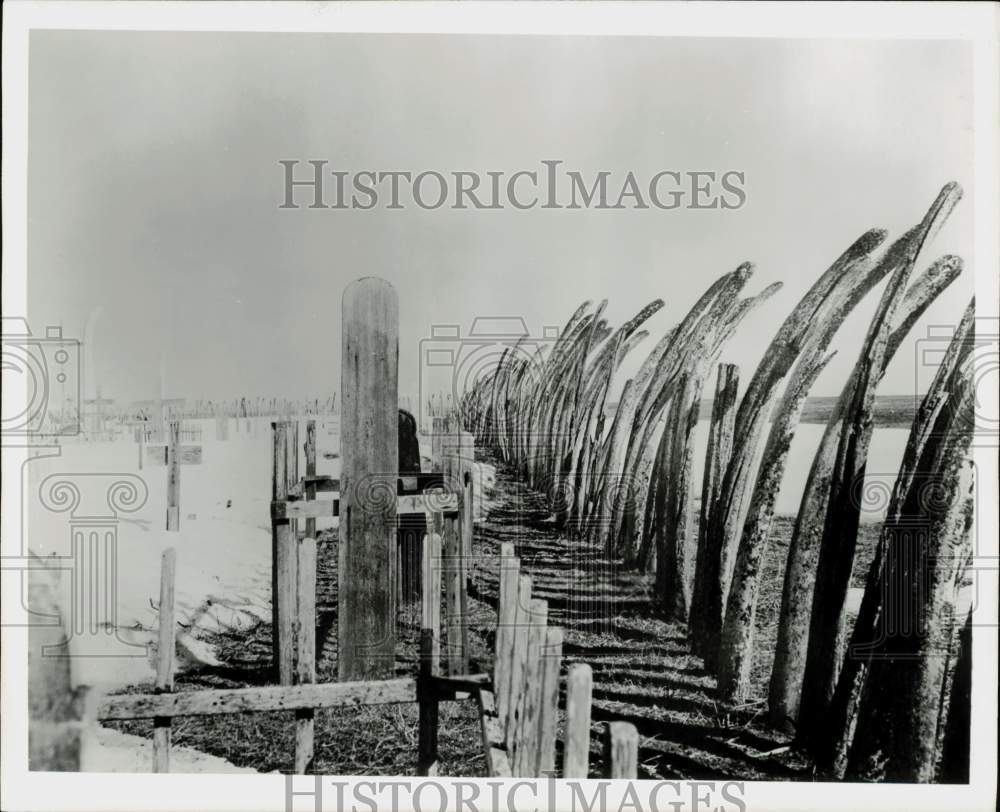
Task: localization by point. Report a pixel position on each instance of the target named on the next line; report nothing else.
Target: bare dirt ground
(643, 672)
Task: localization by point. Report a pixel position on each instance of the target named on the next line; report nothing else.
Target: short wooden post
(621, 750)
(510, 569)
(174, 477)
(431, 603)
(305, 666)
(548, 712)
(142, 442)
(528, 710)
(576, 750)
(522, 618)
(427, 734)
(369, 473)
(165, 656)
(283, 561)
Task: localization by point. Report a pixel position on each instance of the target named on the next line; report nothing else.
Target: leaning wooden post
(165, 657)
(369, 472)
(283, 560)
(310, 488)
(305, 666)
(621, 750)
(174, 477)
(576, 750)
(427, 735)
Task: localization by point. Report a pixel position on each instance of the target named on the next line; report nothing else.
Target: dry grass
(643, 672)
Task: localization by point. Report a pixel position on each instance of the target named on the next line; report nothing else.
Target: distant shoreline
(891, 411)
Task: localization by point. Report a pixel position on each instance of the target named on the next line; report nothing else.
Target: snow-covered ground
(223, 546)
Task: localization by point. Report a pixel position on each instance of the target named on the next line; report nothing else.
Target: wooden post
(466, 453)
(528, 710)
(621, 750)
(369, 471)
(519, 655)
(431, 606)
(305, 667)
(310, 489)
(165, 656)
(510, 568)
(437, 440)
(174, 477)
(142, 442)
(427, 743)
(456, 598)
(283, 560)
(548, 714)
(59, 714)
(576, 750)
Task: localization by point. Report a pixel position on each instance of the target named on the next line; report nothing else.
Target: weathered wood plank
(497, 762)
(526, 740)
(548, 713)
(187, 454)
(510, 569)
(431, 591)
(519, 655)
(576, 750)
(369, 470)
(267, 698)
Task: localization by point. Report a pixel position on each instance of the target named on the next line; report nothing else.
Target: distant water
(895, 411)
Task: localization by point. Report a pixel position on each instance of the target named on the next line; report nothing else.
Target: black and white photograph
(499, 406)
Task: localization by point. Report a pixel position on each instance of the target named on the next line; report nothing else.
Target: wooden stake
(510, 568)
(283, 557)
(427, 744)
(165, 655)
(528, 710)
(522, 618)
(548, 714)
(369, 470)
(305, 667)
(576, 752)
(431, 605)
(174, 477)
(621, 750)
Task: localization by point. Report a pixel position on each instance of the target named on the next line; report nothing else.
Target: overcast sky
(154, 187)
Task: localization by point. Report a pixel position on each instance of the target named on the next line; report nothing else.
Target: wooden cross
(174, 455)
